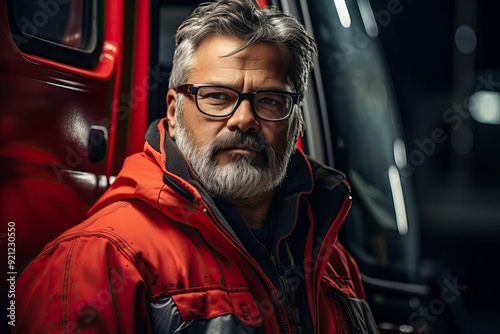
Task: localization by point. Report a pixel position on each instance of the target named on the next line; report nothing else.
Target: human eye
(215, 95)
(271, 99)
(272, 105)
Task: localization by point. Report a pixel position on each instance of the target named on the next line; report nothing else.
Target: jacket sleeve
(81, 285)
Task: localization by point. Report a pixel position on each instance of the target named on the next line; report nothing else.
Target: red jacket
(155, 255)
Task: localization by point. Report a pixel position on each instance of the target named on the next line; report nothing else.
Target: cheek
(201, 130)
(276, 134)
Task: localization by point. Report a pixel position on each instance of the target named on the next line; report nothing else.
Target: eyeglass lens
(220, 101)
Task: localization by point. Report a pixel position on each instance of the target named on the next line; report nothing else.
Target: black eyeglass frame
(192, 89)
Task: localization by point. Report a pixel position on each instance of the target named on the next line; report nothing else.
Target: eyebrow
(285, 89)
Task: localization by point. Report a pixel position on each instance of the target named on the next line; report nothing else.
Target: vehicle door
(73, 97)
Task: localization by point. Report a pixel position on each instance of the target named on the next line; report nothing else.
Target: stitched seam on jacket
(54, 244)
(208, 288)
(121, 245)
(65, 287)
(159, 197)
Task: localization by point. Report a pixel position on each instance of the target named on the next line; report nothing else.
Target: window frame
(33, 45)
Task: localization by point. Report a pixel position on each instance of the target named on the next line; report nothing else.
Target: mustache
(239, 139)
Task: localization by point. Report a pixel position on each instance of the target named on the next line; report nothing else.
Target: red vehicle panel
(48, 109)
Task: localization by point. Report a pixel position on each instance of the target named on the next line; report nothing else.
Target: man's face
(238, 156)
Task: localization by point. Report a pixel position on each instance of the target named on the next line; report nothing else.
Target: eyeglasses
(220, 101)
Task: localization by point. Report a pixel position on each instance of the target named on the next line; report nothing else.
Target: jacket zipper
(340, 217)
(285, 328)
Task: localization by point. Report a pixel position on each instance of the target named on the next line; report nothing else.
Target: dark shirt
(278, 248)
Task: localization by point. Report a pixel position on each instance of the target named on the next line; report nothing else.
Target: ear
(171, 98)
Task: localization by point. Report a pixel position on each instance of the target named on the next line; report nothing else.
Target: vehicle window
(367, 142)
(171, 15)
(65, 31)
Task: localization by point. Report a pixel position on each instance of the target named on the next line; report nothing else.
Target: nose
(243, 118)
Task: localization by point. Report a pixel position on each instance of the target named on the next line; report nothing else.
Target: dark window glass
(171, 13)
(67, 31)
(367, 139)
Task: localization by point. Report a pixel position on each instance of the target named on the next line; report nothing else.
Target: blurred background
(444, 59)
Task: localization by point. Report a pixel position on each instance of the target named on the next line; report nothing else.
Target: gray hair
(245, 20)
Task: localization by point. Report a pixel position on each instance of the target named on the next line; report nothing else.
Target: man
(219, 226)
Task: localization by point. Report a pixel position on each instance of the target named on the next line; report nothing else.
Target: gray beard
(239, 178)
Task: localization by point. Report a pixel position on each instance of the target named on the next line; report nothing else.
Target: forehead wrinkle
(245, 69)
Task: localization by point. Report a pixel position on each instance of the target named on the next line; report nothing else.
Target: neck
(254, 210)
